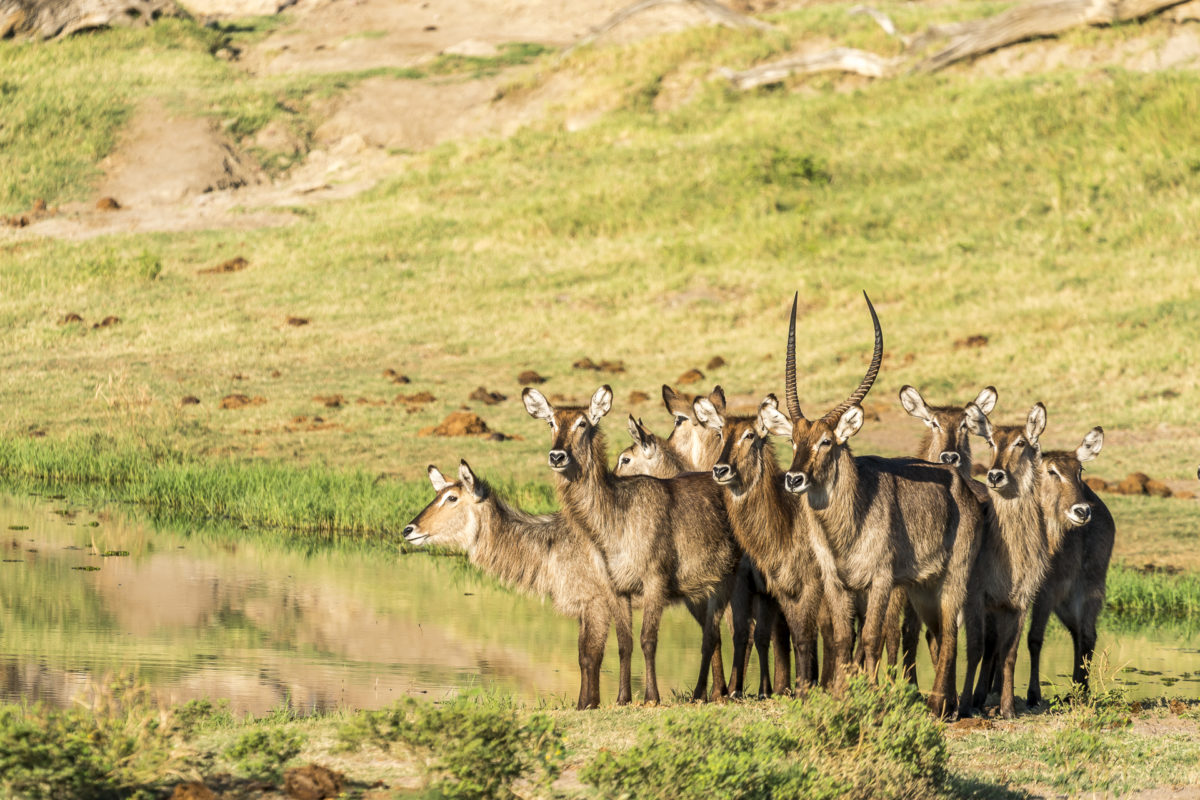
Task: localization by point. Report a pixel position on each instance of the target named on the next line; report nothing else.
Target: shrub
(877, 741)
(262, 754)
(469, 750)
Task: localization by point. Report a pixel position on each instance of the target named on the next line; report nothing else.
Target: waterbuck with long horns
(1014, 557)
(876, 523)
(750, 598)
(690, 448)
(663, 540)
(764, 519)
(542, 555)
(1075, 586)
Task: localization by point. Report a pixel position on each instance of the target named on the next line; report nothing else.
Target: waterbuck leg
(891, 625)
(1038, 620)
(878, 599)
(943, 699)
(974, 633)
(710, 626)
(1012, 647)
(623, 622)
(764, 630)
(841, 615)
(593, 634)
(782, 640)
(585, 665)
(1087, 641)
(911, 635)
(741, 605)
(652, 609)
(716, 612)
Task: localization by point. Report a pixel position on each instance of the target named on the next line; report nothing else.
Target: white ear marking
(987, 399)
(849, 423)
(537, 405)
(977, 421)
(1036, 423)
(1092, 442)
(437, 479)
(773, 421)
(914, 404)
(601, 404)
(706, 414)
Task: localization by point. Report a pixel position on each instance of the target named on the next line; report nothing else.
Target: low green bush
(877, 741)
(262, 754)
(469, 750)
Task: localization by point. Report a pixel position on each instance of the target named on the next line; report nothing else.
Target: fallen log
(47, 19)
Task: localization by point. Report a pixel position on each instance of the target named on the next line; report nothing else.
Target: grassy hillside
(1053, 215)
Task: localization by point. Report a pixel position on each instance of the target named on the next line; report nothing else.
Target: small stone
(691, 376)
(529, 377)
(108, 204)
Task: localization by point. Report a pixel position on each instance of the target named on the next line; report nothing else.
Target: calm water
(221, 615)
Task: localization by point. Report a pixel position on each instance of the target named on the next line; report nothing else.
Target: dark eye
(1053, 472)
(1018, 443)
(679, 421)
(826, 442)
(450, 498)
(580, 424)
(624, 459)
(747, 435)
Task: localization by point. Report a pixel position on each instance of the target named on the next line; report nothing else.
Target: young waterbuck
(764, 518)
(1074, 587)
(690, 448)
(1014, 557)
(542, 555)
(947, 440)
(663, 540)
(876, 523)
(750, 599)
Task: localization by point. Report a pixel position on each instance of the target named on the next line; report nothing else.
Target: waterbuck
(947, 440)
(690, 448)
(764, 516)
(663, 540)
(542, 555)
(876, 523)
(1074, 587)
(750, 599)
(1014, 557)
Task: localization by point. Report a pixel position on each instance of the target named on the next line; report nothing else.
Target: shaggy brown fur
(541, 555)
(1075, 586)
(663, 540)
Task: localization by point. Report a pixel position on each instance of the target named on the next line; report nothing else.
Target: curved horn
(789, 372)
(876, 359)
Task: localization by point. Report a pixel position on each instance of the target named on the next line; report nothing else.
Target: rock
(297, 321)
(108, 204)
(482, 395)
(459, 423)
(235, 264)
(691, 376)
(1134, 483)
(1096, 484)
(312, 782)
(330, 401)
(472, 48)
(529, 377)
(636, 397)
(107, 322)
(1157, 489)
(419, 397)
(976, 340)
(194, 790)
(585, 363)
(70, 318)
(47, 19)
(190, 400)
(716, 362)
(235, 401)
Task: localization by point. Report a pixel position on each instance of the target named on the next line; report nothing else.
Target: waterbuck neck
(835, 505)
(587, 495)
(1019, 530)
(514, 545)
(762, 516)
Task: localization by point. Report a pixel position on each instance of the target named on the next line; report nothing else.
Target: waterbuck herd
(861, 552)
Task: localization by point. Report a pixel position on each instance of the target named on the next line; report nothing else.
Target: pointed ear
(467, 477)
(648, 441)
(773, 421)
(1036, 423)
(437, 479)
(849, 423)
(601, 405)
(707, 414)
(770, 400)
(987, 399)
(537, 405)
(635, 431)
(677, 404)
(977, 421)
(1092, 443)
(717, 398)
(915, 405)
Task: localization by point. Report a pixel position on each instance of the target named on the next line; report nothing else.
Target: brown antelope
(876, 523)
(1014, 557)
(542, 555)
(690, 447)
(1075, 585)
(946, 441)
(750, 599)
(764, 516)
(663, 540)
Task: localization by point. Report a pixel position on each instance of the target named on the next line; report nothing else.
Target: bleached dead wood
(718, 13)
(46, 19)
(840, 59)
(1034, 21)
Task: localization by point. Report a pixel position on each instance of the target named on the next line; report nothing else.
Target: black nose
(1082, 511)
(407, 530)
(558, 458)
(720, 471)
(795, 481)
(950, 457)
(995, 477)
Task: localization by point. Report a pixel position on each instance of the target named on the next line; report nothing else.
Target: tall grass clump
(878, 741)
(1135, 596)
(469, 749)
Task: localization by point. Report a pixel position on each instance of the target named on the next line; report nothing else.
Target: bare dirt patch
(235, 401)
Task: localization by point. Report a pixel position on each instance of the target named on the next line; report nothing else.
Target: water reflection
(221, 615)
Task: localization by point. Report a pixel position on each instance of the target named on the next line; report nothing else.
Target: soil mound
(459, 423)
